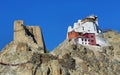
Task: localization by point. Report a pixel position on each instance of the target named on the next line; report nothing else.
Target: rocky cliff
(27, 55)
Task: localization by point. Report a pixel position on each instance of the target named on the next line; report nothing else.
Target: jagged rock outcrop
(114, 38)
(90, 60)
(20, 59)
(27, 55)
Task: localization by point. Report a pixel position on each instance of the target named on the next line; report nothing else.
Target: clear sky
(54, 16)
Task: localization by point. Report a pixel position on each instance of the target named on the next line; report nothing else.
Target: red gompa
(91, 37)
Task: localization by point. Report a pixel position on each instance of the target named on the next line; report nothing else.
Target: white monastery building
(87, 32)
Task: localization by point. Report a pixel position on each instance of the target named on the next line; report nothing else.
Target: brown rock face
(26, 55)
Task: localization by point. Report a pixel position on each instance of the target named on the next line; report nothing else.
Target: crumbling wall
(37, 33)
(28, 34)
(19, 31)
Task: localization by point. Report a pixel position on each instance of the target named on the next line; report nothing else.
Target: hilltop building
(86, 32)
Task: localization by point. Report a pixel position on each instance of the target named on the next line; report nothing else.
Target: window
(79, 33)
(82, 39)
(83, 28)
(92, 40)
(92, 36)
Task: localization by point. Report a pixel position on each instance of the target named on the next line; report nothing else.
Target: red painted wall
(91, 36)
(73, 34)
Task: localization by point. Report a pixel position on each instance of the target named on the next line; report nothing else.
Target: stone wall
(28, 34)
(37, 33)
(19, 31)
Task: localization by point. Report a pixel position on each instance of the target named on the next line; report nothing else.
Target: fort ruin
(28, 34)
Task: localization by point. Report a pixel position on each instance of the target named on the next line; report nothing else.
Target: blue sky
(54, 16)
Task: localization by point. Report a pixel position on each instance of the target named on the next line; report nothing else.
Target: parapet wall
(28, 34)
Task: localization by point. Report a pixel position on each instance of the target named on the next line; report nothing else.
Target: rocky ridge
(30, 58)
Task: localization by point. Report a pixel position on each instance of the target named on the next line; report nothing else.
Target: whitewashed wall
(88, 27)
(101, 41)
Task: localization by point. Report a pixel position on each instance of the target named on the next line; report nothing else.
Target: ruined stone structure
(28, 34)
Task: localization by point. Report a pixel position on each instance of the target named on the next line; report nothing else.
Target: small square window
(92, 36)
(82, 39)
(92, 40)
